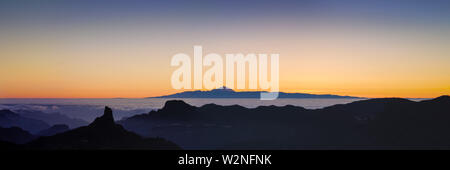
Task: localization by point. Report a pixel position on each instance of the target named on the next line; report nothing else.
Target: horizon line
(1, 98)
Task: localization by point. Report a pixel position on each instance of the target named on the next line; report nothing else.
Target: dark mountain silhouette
(52, 118)
(11, 119)
(225, 92)
(55, 129)
(386, 123)
(15, 135)
(424, 123)
(8, 146)
(103, 133)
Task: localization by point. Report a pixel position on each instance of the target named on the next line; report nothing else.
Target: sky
(104, 49)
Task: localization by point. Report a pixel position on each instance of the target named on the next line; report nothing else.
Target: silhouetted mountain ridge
(103, 133)
(374, 123)
(11, 119)
(385, 123)
(55, 129)
(52, 118)
(15, 135)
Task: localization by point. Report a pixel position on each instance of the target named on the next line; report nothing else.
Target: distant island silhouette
(225, 92)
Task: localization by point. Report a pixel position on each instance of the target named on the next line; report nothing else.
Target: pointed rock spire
(106, 119)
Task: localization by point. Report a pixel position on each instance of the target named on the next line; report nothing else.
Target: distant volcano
(225, 92)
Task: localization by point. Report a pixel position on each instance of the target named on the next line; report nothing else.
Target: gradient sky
(102, 49)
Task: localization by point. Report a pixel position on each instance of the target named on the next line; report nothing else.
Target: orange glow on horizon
(339, 58)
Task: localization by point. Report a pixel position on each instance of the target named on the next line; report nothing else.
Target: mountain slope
(103, 133)
(52, 118)
(55, 129)
(11, 119)
(387, 123)
(15, 135)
